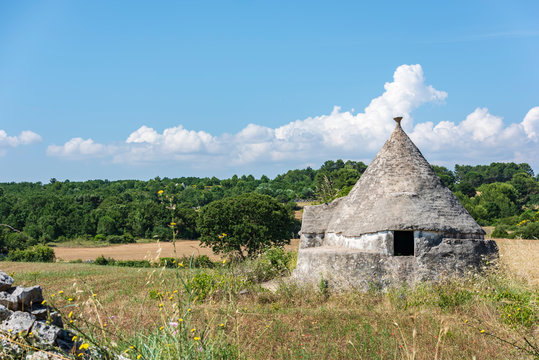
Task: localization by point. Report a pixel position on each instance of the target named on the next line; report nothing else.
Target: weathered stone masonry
(398, 224)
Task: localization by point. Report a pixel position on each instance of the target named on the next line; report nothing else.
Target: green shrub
(500, 232)
(529, 230)
(132, 263)
(202, 284)
(199, 261)
(38, 253)
(274, 262)
(15, 240)
(120, 239)
(516, 306)
(101, 260)
(450, 298)
(100, 238)
(162, 233)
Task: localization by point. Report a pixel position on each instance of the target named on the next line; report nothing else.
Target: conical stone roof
(400, 191)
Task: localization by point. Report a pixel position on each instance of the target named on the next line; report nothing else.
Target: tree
(245, 225)
(446, 176)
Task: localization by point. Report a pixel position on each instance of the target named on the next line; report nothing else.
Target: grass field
(488, 317)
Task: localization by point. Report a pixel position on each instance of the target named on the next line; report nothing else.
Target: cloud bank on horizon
(481, 137)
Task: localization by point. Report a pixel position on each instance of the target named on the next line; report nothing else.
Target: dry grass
(521, 257)
(304, 323)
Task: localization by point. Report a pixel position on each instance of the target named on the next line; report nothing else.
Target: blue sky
(200, 88)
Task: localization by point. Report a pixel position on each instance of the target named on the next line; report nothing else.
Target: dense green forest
(502, 194)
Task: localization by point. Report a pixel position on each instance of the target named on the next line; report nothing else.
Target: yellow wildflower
(180, 320)
(74, 338)
(482, 331)
(193, 330)
(197, 338)
(173, 224)
(43, 302)
(139, 356)
(160, 192)
(61, 292)
(161, 328)
(70, 314)
(83, 346)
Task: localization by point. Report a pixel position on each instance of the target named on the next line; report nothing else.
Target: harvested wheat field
(521, 257)
(143, 251)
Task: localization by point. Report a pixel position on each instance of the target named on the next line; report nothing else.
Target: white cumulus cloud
(26, 137)
(531, 123)
(78, 148)
(478, 138)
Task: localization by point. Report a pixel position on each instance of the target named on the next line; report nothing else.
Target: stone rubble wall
(436, 258)
(22, 311)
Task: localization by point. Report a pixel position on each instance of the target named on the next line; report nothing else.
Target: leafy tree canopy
(245, 225)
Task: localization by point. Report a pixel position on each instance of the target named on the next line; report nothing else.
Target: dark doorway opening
(403, 243)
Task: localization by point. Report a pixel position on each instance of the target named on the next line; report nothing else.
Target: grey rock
(21, 298)
(40, 312)
(47, 334)
(5, 281)
(65, 340)
(8, 300)
(65, 346)
(4, 313)
(9, 350)
(56, 319)
(41, 355)
(28, 296)
(17, 322)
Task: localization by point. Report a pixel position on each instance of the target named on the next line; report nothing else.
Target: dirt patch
(147, 251)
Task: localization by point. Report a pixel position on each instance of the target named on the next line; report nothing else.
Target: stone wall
(436, 258)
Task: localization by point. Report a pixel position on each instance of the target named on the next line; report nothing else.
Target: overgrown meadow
(219, 310)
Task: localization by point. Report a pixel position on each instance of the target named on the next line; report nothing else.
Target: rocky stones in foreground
(22, 311)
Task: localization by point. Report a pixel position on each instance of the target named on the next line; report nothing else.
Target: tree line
(503, 194)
